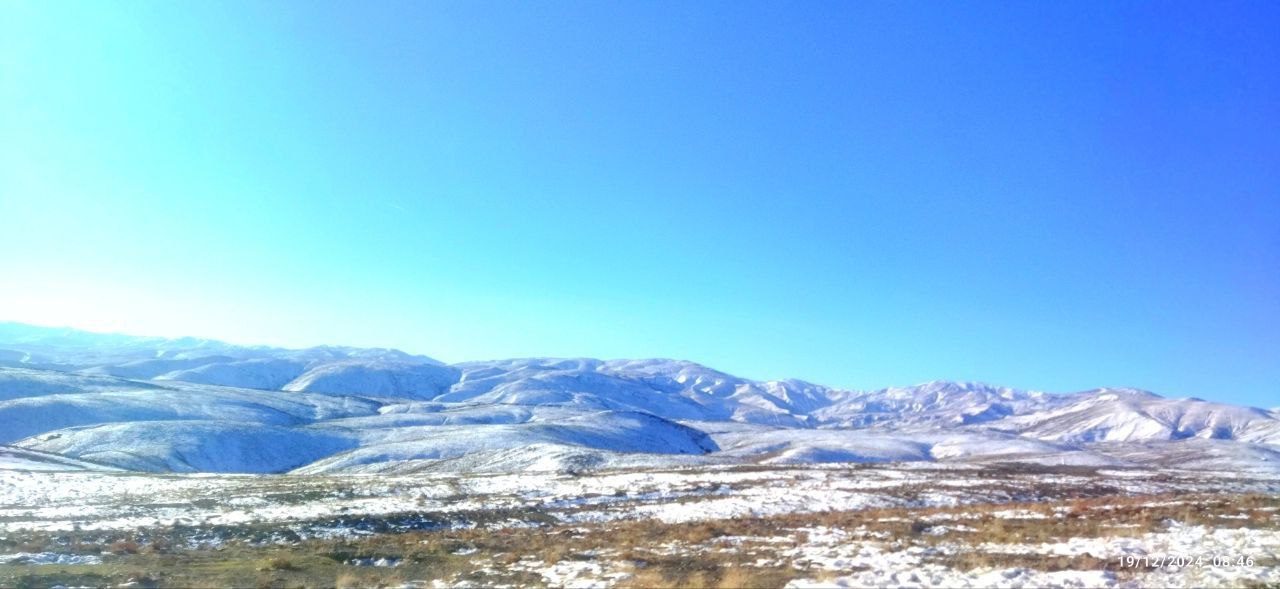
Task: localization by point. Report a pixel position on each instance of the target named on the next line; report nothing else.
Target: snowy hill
(610, 431)
(259, 373)
(16, 383)
(12, 458)
(327, 368)
(1127, 415)
(937, 402)
(84, 404)
(379, 378)
(193, 405)
(191, 446)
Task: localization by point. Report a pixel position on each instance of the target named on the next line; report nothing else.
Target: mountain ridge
(335, 409)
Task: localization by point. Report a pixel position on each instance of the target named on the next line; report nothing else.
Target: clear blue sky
(1049, 195)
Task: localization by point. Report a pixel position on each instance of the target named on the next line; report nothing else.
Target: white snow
(191, 446)
(40, 558)
(95, 397)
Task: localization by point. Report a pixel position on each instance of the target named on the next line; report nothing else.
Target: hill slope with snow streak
(191, 446)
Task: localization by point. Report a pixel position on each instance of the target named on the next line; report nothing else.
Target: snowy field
(906, 524)
(138, 462)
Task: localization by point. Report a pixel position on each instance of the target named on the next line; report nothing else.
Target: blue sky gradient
(1053, 196)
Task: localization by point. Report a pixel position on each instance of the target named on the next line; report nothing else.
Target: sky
(1053, 196)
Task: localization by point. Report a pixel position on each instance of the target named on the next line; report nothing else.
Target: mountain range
(88, 400)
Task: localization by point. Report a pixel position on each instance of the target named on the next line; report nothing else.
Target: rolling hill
(187, 405)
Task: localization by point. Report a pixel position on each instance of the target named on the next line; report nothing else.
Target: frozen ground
(904, 524)
(88, 500)
(152, 462)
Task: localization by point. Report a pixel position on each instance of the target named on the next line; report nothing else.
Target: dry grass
(655, 554)
(277, 563)
(123, 547)
(367, 580)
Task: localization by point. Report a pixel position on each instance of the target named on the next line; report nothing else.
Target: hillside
(196, 405)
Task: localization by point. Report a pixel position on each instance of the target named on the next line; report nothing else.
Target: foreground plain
(744, 526)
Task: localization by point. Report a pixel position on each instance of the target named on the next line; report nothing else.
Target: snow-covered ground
(105, 437)
(40, 499)
(63, 512)
(1213, 558)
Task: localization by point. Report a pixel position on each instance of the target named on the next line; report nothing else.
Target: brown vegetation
(743, 552)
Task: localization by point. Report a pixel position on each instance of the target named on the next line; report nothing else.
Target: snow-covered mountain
(376, 377)
(937, 403)
(112, 401)
(1130, 415)
(212, 362)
